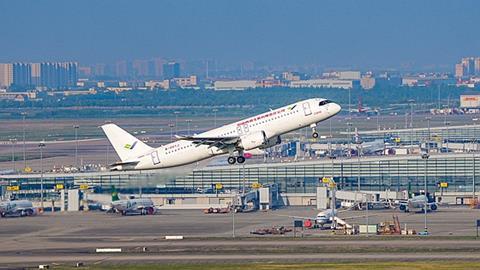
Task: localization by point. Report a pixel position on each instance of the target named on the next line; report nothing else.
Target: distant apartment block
(234, 85)
(6, 75)
(49, 75)
(171, 70)
(468, 66)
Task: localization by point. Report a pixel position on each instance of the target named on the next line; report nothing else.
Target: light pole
(473, 174)
(425, 193)
(411, 101)
(215, 117)
(24, 148)
(233, 216)
(176, 121)
(41, 145)
(366, 210)
(428, 129)
(13, 141)
(171, 125)
(447, 124)
(76, 127)
(188, 125)
(349, 137)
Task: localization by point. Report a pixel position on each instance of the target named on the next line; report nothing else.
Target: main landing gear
(314, 130)
(239, 159)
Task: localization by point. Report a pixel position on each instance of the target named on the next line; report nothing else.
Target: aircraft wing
(220, 142)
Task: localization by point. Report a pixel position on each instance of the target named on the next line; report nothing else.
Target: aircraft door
(155, 158)
(306, 109)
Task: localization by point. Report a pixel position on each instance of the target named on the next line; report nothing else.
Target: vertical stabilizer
(127, 146)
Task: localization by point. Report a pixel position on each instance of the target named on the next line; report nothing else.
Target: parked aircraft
(417, 203)
(17, 208)
(258, 132)
(322, 218)
(142, 206)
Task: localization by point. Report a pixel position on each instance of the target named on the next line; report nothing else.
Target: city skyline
(430, 35)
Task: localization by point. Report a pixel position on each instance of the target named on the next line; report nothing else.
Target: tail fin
(127, 146)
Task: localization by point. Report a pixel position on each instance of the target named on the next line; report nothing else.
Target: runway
(65, 238)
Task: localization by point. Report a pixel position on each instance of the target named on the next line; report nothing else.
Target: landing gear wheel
(231, 160)
(315, 135)
(241, 159)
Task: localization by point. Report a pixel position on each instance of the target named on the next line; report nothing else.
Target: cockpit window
(324, 102)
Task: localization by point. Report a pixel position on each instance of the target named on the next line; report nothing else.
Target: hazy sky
(335, 33)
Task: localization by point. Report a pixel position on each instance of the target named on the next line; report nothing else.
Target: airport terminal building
(375, 173)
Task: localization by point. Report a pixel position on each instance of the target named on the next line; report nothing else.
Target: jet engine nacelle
(253, 140)
(272, 142)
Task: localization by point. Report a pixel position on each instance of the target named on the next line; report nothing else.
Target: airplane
(17, 208)
(417, 203)
(142, 206)
(258, 132)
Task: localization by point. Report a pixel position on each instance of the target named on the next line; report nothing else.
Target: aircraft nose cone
(335, 108)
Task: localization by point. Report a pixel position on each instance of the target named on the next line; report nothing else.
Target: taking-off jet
(258, 132)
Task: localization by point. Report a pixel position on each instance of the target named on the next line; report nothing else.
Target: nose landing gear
(314, 130)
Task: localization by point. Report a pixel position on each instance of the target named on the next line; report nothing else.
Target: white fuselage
(273, 123)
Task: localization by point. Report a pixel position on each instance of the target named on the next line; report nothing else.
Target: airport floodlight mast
(176, 121)
(189, 121)
(24, 146)
(41, 145)
(76, 127)
(425, 157)
(171, 125)
(13, 142)
(412, 102)
(215, 117)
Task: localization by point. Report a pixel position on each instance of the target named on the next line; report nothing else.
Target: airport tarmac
(70, 237)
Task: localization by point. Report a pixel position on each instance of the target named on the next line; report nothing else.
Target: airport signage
(326, 180)
(13, 188)
(443, 184)
(298, 223)
(59, 186)
(218, 186)
(83, 186)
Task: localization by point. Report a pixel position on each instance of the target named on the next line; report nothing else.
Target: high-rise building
(468, 65)
(58, 75)
(35, 72)
(22, 75)
(6, 75)
(171, 70)
(459, 70)
(140, 68)
(123, 69)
